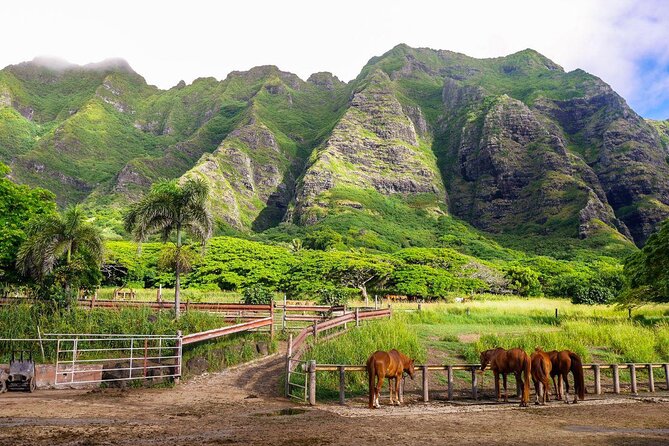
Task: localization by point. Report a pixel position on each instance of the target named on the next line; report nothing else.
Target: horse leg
(537, 390)
(377, 392)
(497, 390)
(565, 378)
(506, 394)
(557, 394)
(397, 391)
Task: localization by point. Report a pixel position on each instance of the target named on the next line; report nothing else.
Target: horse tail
(577, 370)
(371, 371)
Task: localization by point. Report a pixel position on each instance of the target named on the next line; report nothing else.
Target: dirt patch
(242, 406)
(469, 338)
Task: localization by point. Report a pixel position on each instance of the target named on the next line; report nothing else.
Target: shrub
(257, 295)
(592, 294)
(524, 281)
(334, 296)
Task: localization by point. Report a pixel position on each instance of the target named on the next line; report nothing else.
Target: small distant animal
(563, 362)
(541, 369)
(504, 362)
(391, 365)
(397, 297)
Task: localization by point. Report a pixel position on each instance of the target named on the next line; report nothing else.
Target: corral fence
(311, 368)
(84, 358)
(286, 316)
(297, 384)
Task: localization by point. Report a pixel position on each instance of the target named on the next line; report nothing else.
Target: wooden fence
(311, 368)
(297, 346)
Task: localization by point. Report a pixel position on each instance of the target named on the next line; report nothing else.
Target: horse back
(510, 361)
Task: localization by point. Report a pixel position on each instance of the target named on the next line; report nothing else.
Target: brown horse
(563, 362)
(389, 365)
(513, 361)
(541, 369)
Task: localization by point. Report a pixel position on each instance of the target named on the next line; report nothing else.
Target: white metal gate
(104, 358)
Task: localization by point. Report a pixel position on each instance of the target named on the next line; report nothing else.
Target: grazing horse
(503, 362)
(563, 362)
(389, 365)
(541, 369)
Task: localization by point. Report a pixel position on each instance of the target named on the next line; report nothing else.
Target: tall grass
(355, 347)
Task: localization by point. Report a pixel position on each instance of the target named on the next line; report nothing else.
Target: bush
(257, 295)
(524, 281)
(333, 296)
(592, 294)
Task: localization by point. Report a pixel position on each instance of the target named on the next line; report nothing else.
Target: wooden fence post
(283, 317)
(651, 378)
(177, 378)
(271, 315)
(315, 331)
(666, 375)
(426, 394)
(450, 381)
(312, 383)
(357, 317)
(342, 385)
(289, 353)
(475, 385)
(616, 378)
(556, 313)
(632, 368)
(598, 381)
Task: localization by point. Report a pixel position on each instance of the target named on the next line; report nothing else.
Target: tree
(647, 270)
(62, 250)
(19, 205)
(171, 209)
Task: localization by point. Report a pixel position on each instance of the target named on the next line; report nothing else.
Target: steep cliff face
(250, 178)
(375, 145)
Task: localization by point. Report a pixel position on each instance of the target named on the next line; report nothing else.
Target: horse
(389, 365)
(563, 362)
(541, 369)
(513, 361)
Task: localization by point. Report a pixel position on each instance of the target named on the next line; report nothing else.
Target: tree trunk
(177, 270)
(363, 289)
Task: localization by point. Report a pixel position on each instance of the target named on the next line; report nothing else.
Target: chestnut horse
(541, 369)
(503, 362)
(563, 362)
(389, 365)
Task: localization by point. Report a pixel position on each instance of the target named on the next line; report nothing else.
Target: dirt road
(242, 406)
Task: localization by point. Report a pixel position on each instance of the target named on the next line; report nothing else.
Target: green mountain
(515, 146)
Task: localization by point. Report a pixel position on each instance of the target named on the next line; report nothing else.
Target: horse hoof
(537, 403)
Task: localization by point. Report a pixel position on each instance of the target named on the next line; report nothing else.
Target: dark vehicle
(21, 372)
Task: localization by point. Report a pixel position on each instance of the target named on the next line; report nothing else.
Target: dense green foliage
(257, 295)
(648, 270)
(19, 205)
(62, 254)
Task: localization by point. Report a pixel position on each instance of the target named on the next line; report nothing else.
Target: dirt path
(242, 406)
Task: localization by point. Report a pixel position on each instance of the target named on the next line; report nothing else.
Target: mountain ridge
(510, 144)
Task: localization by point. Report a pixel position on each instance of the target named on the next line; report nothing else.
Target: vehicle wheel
(32, 385)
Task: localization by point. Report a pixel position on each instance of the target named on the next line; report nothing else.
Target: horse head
(486, 356)
(410, 369)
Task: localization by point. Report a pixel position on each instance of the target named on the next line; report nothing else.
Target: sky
(624, 42)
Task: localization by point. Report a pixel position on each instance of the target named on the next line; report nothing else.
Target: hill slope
(513, 145)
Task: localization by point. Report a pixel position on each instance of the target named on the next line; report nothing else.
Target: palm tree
(170, 209)
(55, 238)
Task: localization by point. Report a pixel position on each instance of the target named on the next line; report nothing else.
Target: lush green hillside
(502, 159)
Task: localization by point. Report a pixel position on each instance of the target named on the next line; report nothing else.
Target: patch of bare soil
(243, 406)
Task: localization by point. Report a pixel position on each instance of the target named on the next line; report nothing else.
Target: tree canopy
(648, 270)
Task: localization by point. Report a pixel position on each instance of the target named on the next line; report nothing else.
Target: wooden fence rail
(311, 368)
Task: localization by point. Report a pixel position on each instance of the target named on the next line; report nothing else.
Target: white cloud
(167, 41)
